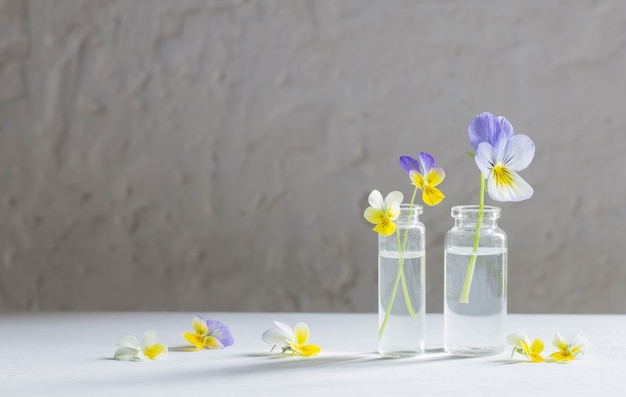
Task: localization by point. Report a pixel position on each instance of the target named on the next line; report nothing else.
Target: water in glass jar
(475, 328)
(403, 335)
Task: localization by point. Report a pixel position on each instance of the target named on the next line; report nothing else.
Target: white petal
(485, 157)
(276, 337)
(519, 152)
(394, 211)
(392, 198)
(516, 339)
(125, 353)
(286, 329)
(149, 339)
(519, 190)
(579, 341)
(376, 200)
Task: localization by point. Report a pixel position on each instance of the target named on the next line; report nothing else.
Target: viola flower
(500, 154)
(209, 334)
(568, 351)
(382, 213)
(523, 346)
(425, 175)
(296, 343)
(129, 348)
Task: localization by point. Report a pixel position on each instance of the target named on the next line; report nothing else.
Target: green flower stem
(400, 276)
(472, 262)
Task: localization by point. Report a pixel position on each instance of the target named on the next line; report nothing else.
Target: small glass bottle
(401, 286)
(475, 280)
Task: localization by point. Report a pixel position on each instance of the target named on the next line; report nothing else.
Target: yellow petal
(309, 350)
(199, 326)
(302, 333)
(155, 350)
(562, 356)
(374, 215)
(536, 358)
(385, 228)
(417, 179)
(435, 176)
(537, 346)
(432, 195)
(211, 342)
(194, 340)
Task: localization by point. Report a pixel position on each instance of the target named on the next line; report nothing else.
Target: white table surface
(69, 354)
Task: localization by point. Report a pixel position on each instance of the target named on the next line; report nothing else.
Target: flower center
(502, 175)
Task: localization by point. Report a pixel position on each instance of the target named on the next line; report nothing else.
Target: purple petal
(409, 164)
(505, 126)
(481, 128)
(488, 128)
(220, 332)
(426, 162)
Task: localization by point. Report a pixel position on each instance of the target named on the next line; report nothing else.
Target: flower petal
(199, 326)
(129, 341)
(505, 126)
(516, 339)
(537, 346)
(393, 211)
(578, 343)
(485, 158)
(374, 215)
(504, 184)
(417, 179)
(126, 353)
(392, 198)
(435, 176)
(409, 164)
(302, 333)
(149, 339)
(376, 199)
(385, 228)
(194, 339)
(519, 152)
(432, 196)
(426, 162)
(159, 350)
(212, 343)
(483, 128)
(559, 342)
(562, 356)
(309, 350)
(220, 331)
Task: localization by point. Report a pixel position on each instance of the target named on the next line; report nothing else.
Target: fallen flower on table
(568, 351)
(209, 334)
(129, 348)
(289, 341)
(523, 346)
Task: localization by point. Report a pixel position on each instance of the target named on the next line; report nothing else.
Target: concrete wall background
(217, 155)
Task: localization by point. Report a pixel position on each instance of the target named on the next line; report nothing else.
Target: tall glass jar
(475, 280)
(401, 289)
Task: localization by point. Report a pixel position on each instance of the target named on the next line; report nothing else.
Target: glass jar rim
(418, 209)
(471, 212)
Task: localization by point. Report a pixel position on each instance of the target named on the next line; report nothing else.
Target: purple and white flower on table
(209, 334)
(500, 154)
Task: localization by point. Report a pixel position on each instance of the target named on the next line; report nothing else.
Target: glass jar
(475, 280)
(401, 289)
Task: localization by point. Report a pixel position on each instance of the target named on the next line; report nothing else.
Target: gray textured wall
(217, 155)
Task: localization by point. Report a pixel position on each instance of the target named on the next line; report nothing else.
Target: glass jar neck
(467, 216)
(409, 214)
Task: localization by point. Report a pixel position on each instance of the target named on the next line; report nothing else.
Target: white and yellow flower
(522, 345)
(289, 341)
(568, 350)
(129, 348)
(382, 213)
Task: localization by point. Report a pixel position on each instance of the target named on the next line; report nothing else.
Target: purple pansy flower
(500, 154)
(425, 175)
(209, 334)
